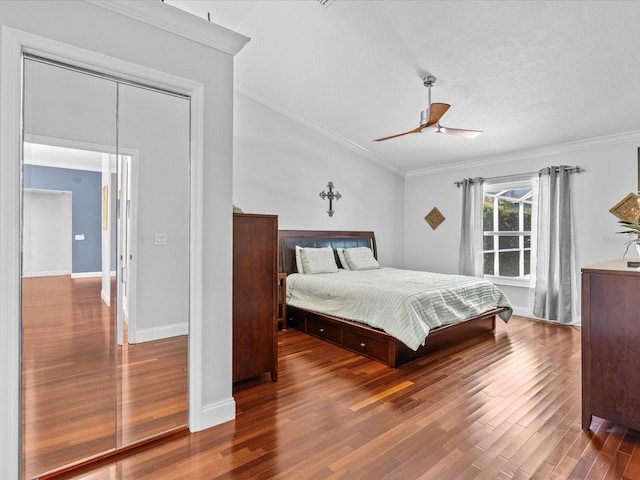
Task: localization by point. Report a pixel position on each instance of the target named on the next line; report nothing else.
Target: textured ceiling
(529, 74)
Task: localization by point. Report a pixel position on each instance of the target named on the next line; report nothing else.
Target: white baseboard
(528, 312)
(86, 274)
(105, 298)
(216, 414)
(53, 273)
(89, 274)
(158, 333)
(522, 311)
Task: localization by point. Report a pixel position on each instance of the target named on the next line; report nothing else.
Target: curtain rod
(517, 176)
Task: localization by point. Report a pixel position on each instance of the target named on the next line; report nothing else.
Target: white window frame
(503, 186)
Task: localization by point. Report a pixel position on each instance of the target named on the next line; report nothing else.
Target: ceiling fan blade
(415, 130)
(436, 112)
(459, 132)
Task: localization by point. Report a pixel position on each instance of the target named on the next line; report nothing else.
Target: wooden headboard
(288, 239)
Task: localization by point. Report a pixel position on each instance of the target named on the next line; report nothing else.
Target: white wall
(280, 167)
(156, 125)
(611, 173)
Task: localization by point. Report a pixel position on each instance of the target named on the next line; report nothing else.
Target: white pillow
(343, 261)
(318, 260)
(360, 258)
(299, 260)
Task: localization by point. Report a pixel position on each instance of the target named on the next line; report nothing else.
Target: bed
(357, 336)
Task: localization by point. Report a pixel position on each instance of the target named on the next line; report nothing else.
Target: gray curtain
(471, 256)
(555, 292)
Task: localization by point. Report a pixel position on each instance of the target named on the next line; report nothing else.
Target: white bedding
(406, 304)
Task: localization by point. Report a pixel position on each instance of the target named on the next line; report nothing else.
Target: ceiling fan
(430, 119)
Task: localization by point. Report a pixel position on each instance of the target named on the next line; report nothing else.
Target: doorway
(46, 232)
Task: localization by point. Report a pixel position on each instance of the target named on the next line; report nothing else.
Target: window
(507, 229)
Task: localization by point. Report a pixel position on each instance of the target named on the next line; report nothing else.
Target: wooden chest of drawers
(255, 289)
(611, 343)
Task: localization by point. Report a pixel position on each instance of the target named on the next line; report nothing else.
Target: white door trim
(14, 43)
(130, 315)
(10, 207)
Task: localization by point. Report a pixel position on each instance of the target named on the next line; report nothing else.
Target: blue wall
(86, 210)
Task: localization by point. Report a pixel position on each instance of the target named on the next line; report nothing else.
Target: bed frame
(355, 336)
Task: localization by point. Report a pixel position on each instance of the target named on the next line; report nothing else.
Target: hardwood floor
(82, 395)
(498, 407)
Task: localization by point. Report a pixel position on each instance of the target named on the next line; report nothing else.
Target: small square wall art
(434, 218)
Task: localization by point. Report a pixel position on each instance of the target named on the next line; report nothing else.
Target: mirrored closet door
(105, 264)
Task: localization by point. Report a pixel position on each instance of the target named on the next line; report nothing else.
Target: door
(86, 390)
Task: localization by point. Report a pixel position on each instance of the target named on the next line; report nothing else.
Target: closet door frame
(14, 44)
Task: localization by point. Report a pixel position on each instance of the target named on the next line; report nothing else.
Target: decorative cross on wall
(331, 195)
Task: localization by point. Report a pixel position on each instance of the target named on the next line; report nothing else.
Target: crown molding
(319, 129)
(561, 148)
(178, 22)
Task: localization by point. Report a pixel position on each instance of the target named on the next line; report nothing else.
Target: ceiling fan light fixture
(424, 115)
(430, 129)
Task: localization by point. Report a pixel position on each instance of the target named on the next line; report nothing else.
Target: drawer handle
(363, 344)
(321, 330)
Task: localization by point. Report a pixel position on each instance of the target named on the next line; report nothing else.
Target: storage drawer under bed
(365, 345)
(324, 330)
(363, 342)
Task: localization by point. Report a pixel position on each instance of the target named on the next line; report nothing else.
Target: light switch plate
(160, 239)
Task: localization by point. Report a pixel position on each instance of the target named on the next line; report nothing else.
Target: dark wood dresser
(611, 343)
(255, 300)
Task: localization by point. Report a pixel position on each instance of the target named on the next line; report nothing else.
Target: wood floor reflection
(82, 396)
